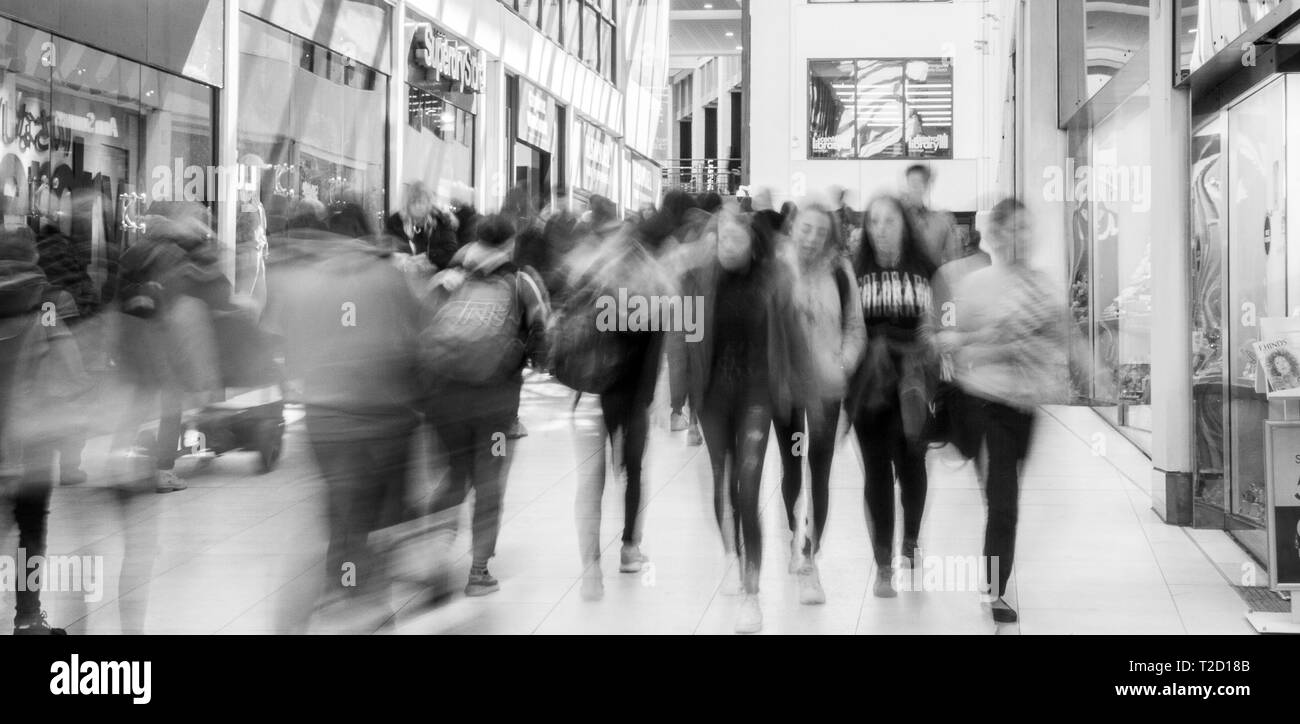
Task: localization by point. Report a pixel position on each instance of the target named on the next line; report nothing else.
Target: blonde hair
(415, 192)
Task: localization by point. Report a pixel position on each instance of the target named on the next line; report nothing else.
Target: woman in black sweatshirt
(890, 394)
(740, 370)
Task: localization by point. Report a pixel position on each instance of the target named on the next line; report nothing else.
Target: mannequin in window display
(250, 254)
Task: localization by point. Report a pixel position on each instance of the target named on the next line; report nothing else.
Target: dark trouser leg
(913, 484)
(678, 379)
(635, 433)
(822, 422)
(341, 465)
(751, 447)
(171, 402)
(1006, 437)
(716, 426)
(456, 438)
(791, 463)
(874, 437)
(489, 480)
(31, 513)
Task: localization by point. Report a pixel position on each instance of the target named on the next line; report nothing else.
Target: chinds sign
(451, 59)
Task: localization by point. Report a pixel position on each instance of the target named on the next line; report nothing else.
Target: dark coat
(783, 336)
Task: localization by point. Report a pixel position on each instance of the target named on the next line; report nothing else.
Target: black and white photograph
(366, 320)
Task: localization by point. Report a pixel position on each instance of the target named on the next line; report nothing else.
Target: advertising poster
(880, 108)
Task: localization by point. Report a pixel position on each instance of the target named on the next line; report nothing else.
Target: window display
(89, 142)
(880, 108)
(316, 120)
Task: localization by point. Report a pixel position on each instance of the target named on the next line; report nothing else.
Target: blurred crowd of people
(417, 332)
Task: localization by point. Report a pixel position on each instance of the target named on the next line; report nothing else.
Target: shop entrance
(533, 173)
(1240, 276)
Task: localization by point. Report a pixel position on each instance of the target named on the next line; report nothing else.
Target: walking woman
(829, 317)
(741, 372)
(420, 229)
(1010, 356)
(890, 398)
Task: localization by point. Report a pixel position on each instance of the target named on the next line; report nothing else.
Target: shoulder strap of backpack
(842, 283)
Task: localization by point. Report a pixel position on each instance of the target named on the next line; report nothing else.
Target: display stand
(1281, 438)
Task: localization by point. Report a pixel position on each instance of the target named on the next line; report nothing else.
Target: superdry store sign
(447, 60)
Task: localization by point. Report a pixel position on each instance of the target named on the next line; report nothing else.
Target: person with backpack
(741, 371)
(617, 369)
(828, 313)
(482, 321)
(41, 380)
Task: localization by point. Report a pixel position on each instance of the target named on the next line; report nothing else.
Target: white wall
(787, 33)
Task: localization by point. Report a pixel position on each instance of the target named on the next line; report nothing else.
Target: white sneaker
(731, 585)
(811, 592)
(750, 620)
(169, 482)
(631, 559)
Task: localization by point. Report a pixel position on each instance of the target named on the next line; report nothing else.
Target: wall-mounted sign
(536, 116)
(598, 161)
(880, 108)
(453, 61)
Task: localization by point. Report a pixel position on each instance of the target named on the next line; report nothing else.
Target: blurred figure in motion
(41, 381)
(828, 313)
(420, 229)
(530, 251)
(483, 320)
(561, 235)
(891, 391)
(936, 230)
(597, 351)
(347, 323)
(67, 274)
(171, 283)
(666, 230)
(1010, 349)
(741, 371)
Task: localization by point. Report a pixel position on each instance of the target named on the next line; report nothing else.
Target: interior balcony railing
(702, 175)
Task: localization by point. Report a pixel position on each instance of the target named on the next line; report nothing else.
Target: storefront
(597, 164)
(445, 81)
(91, 141)
(1199, 410)
(313, 113)
(642, 183)
(1105, 184)
(537, 155)
(1245, 265)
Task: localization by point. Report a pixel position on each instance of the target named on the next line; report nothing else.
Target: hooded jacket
(479, 259)
(347, 321)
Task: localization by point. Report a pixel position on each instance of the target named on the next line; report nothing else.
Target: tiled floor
(241, 553)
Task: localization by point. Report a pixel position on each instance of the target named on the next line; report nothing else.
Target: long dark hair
(912, 254)
(835, 240)
(762, 238)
